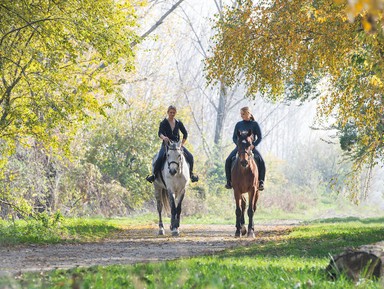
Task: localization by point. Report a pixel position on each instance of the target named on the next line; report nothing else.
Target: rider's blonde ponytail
(245, 109)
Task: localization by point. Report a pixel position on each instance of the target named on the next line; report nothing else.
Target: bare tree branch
(219, 6)
(203, 52)
(158, 23)
(205, 144)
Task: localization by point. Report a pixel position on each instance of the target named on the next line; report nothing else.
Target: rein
(250, 154)
(242, 150)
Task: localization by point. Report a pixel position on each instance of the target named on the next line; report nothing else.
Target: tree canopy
(58, 64)
(290, 49)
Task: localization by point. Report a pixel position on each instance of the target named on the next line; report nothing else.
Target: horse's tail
(164, 199)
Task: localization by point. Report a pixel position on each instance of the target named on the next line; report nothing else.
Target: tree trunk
(221, 114)
(363, 262)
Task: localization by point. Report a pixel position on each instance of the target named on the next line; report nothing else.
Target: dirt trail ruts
(136, 244)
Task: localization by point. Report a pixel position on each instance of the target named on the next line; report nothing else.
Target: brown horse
(245, 179)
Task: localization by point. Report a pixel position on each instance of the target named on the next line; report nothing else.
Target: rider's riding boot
(261, 185)
(228, 185)
(151, 178)
(194, 178)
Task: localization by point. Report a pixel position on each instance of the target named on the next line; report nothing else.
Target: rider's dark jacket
(166, 130)
(245, 125)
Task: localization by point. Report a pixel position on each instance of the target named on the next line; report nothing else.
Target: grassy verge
(93, 229)
(65, 230)
(297, 261)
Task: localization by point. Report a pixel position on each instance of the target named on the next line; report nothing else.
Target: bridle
(241, 150)
(244, 151)
(179, 163)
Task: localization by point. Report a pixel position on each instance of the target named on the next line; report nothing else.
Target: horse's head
(244, 143)
(174, 157)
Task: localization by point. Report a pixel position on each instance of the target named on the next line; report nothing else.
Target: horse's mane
(174, 145)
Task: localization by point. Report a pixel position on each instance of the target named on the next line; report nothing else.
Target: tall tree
(222, 99)
(286, 49)
(60, 62)
(56, 64)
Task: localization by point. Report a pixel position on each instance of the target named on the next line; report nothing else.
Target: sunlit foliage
(289, 49)
(60, 65)
(109, 159)
(56, 59)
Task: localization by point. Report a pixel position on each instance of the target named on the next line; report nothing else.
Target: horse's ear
(249, 132)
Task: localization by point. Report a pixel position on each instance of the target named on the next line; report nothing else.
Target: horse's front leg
(238, 214)
(178, 209)
(176, 218)
(252, 196)
(161, 225)
(174, 222)
(158, 193)
(242, 220)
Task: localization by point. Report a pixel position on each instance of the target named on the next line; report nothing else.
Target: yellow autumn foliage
(286, 49)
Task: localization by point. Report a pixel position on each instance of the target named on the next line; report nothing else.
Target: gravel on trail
(135, 244)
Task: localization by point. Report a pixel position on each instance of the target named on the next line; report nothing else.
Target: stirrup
(151, 178)
(194, 178)
(261, 186)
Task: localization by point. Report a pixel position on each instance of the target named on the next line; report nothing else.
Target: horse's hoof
(251, 234)
(161, 232)
(243, 230)
(175, 232)
(237, 234)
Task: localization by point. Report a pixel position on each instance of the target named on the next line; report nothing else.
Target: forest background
(81, 100)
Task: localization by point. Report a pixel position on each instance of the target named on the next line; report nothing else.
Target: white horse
(170, 186)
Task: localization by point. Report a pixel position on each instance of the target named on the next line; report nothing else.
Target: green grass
(297, 260)
(67, 230)
(229, 219)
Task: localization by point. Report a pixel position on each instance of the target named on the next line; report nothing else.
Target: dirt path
(133, 245)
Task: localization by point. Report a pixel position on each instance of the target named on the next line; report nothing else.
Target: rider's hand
(166, 139)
